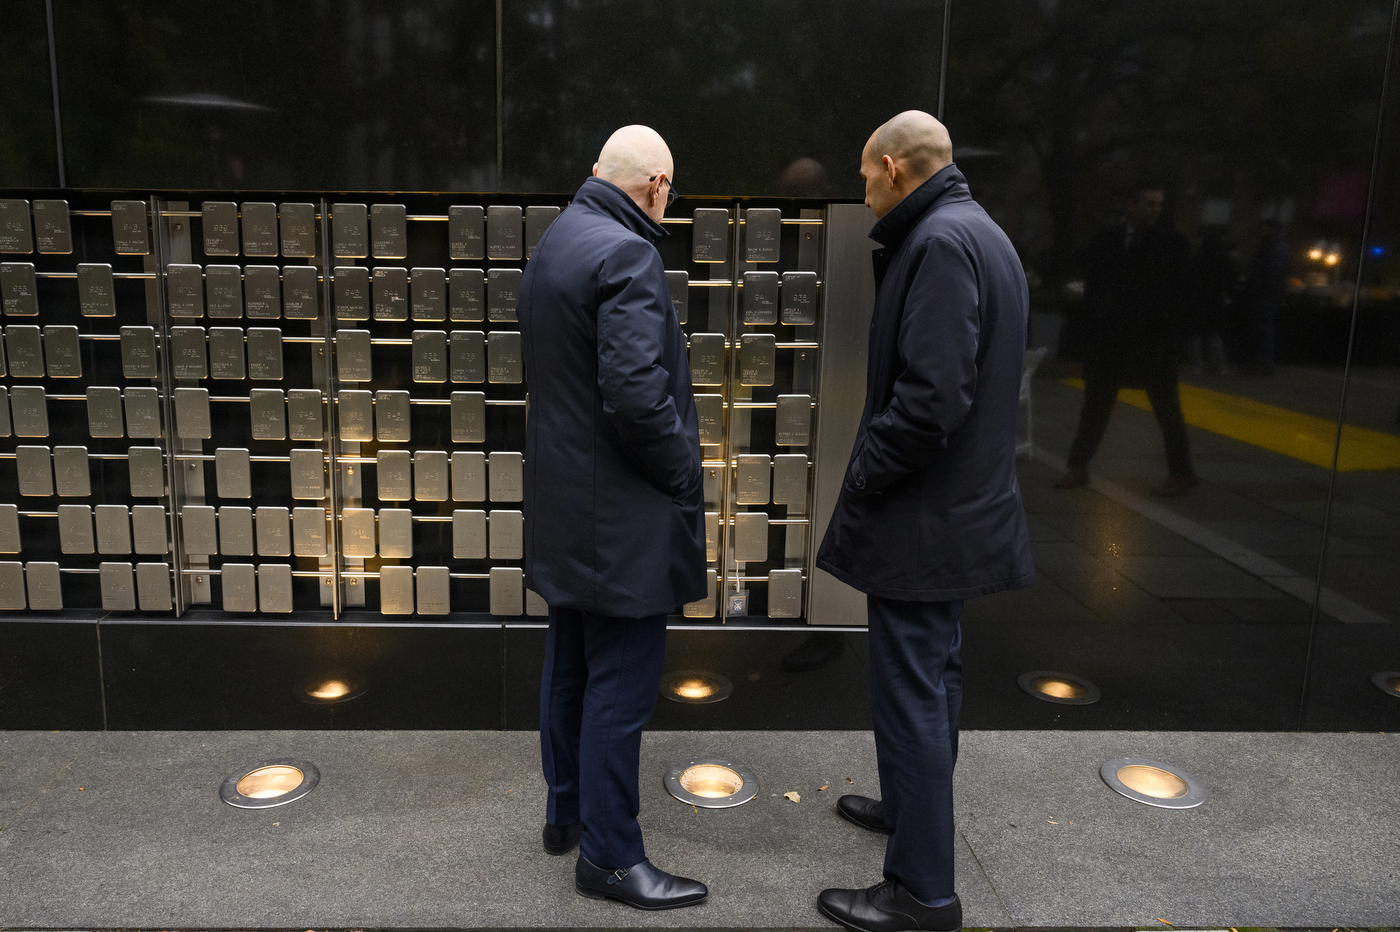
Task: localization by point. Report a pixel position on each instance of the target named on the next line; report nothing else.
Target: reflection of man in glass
(1134, 286)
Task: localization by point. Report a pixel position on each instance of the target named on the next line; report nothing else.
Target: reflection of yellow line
(1301, 436)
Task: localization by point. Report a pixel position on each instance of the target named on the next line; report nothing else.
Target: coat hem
(927, 595)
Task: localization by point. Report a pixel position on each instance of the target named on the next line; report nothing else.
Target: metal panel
(396, 590)
(233, 473)
(275, 588)
(5, 412)
(15, 235)
(239, 582)
(142, 413)
(29, 411)
(219, 223)
(301, 289)
(188, 359)
(507, 590)
(503, 359)
(153, 587)
(507, 477)
(430, 476)
(704, 608)
(535, 605)
(192, 418)
(184, 289)
(502, 293)
(468, 534)
(751, 537)
(12, 586)
(61, 353)
(236, 531)
(52, 228)
(712, 537)
(118, 587)
(356, 415)
(537, 220)
(357, 532)
(19, 291)
(390, 293)
(468, 417)
(35, 470)
(223, 291)
(150, 529)
(763, 227)
(757, 357)
(308, 475)
(351, 292)
(139, 352)
(394, 471)
(72, 475)
(709, 234)
(75, 529)
(45, 586)
(468, 356)
(678, 283)
(395, 533)
(304, 417)
(794, 420)
(785, 594)
(507, 535)
(267, 413)
(96, 294)
(710, 411)
(9, 529)
(262, 292)
(265, 354)
(146, 469)
(466, 294)
(297, 224)
(752, 479)
(469, 477)
(113, 525)
(428, 293)
(199, 530)
(760, 298)
(274, 531)
(25, 345)
(707, 359)
(259, 228)
(309, 532)
(503, 233)
(349, 231)
(466, 232)
(353, 356)
(799, 298)
(434, 590)
(388, 225)
(790, 479)
(131, 234)
(429, 356)
(392, 416)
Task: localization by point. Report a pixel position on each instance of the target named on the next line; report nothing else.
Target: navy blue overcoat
(930, 509)
(614, 520)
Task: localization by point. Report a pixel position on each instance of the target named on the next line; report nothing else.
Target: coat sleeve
(937, 366)
(633, 317)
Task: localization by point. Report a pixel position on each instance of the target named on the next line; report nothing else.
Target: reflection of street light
(1332, 259)
(1315, 254)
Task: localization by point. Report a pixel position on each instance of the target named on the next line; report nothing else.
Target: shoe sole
(855, 928)
(854, 821)
(559, 852)
(596, 895)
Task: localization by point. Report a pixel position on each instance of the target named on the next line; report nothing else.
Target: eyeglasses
(671, 192)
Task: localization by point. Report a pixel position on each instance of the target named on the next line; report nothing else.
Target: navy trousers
(916, 694)
(601, 676)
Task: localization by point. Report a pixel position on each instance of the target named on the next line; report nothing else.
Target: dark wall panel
(28, 145)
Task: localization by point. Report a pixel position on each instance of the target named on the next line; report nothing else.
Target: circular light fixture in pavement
(270, 783)
(1063, 688)
(327, 689)
(695, 687)
(1387, 682)
(709, 783)
(1152, 783)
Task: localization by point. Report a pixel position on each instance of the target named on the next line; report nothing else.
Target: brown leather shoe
(1176, 485)
(1074, 477)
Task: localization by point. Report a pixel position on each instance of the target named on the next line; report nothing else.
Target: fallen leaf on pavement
(795, 797)
(822, 787)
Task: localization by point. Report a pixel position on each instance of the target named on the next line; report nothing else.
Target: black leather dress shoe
(561, 839)
(863, 811)
(888, 907)
(642, 885)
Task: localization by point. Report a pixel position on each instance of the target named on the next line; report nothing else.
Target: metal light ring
(724, 688)
(1091, 695)
(747, 792)
(1387, 681)
(302, 691)
(1195, 793)
(310, 777)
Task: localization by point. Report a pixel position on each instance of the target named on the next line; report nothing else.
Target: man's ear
(595, 169)
(891, 169)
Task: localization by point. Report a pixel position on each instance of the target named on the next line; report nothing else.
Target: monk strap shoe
(888, 907)
(642, 885)
(863, 811)
(561, 839)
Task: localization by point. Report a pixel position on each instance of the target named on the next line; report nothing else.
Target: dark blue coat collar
(608, 199)
(946, 185)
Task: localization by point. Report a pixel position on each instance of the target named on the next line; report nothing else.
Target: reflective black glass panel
(28, 145)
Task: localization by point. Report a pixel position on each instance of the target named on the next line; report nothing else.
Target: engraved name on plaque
(506, 476)
(756, 358)
(709, 234)
(388, 224)
(297, 224)
(19, 291)
(351, 292)
(153, 587)
(466, 232)
(466, 294)
(139, 352)
(391, 416)
(762, 233)
(704, 608)
(794, 420)
(29, 411)
(394, 471)
(790, 479)
(395, 533)
(12, 586)
(710, 410)
(104, 406)
(236, 531)
(678, 283)
(799, 298)
(25, 345)
(711, 536)
(233, 473)
(785, 594)
(265, 353)
(113, 529)
(75, 529)
(468, 476)
(507, 535)
(45, 586)
(507, 590)
(117, 586)
(72, 477)
(223, 291)
(309, 532)
(308, 475)
(34, 467)
(267, 413)
(503, 359)
(349, 231)
(226, 353)
(188, 359)
(707, 358)
(468, 356)
(502, 293)
(429, 356)
(52, 230)
(142, 413)
(396, 590)
(760, 298)
(184, 290)
(130, 235)
(199, 529)
(537, 220)
(146, 470)
(503, 233)
(275, 588)
(262, 292)
(751, 537)
(274, 531)
(149, 529)
(300, 289)
(468, 534)
(259, 228)
(14, 226)
(304, 418)
(434, 590)
(356, 416)
(62, 357)
(428, 293)
(430, 476)
(390, 293)
(96, 294)
(352, 356)
(219, 221)
(752, 479)
(192, 419)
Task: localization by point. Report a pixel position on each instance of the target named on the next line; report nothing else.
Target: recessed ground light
(1388, 682)
(1063, 688)
(328, 689)
(1155, 784)
(270, 783)
(711, 784)
(695, 687)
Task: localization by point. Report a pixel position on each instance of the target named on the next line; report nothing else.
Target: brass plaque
(308, 475)
(239, 584)
(130, 232)
(712, 537)
(537, 220)
(142, 413)
(96, 294)
(71, 473)
(223, 291)
(757, 352)
(678, 283)
(29, 411)
(468, 417)
(794, 420)
(62, 356)
(710, 411)
(395, 533)
(799, 298)
(139, 353)
(507, 477)
(219, 221)
(356, 415)
(388, 225)
(502, 293)
(353, 357)
(301, 287)
(309, 532)
(187, 354)
(153, 587)
(304, 419)
(392, 420)
(149, 529)
(236, 531)
(503, 233)
(752, 479)
(704, 608)
(468, 535)
(466, 294)
(146, 470)
(349, 231)
(52, 228)
(25, 344)
(118, 587)
(428, 293)
(275, 588)
(390, 293)
(259, 228)
(297, 224)
(184, 289)
(468, 356)
(434, 590)
(760, 298)
(35, 469)
(9, 529)
(707, 359)
(113, 529)
(45, 586)
(199, 529)
(790, 479)
(12, 586)
(709, 233)
(507, 535)
(429, 356)
(226, 353)
(394, 471)
(466, 232)
(357, 532)
(784, 593)
(507, 589)
(262, 292)
(5, 411)
(268, 414)
(19, 291)
(75, 529)
(763, 227)
(503, 359)
(14, 226)
(274, 531)
(751, 537)
(233, 473)
(351, 292)
(104, 412)
(265, 353)
(396, 590)
(192, 419)
(430, 477)
(468, 477)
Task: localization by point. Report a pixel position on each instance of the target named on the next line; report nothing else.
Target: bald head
(901, 155)
(637, 160)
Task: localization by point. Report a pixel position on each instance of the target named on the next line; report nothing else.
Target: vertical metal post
(328, 389)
